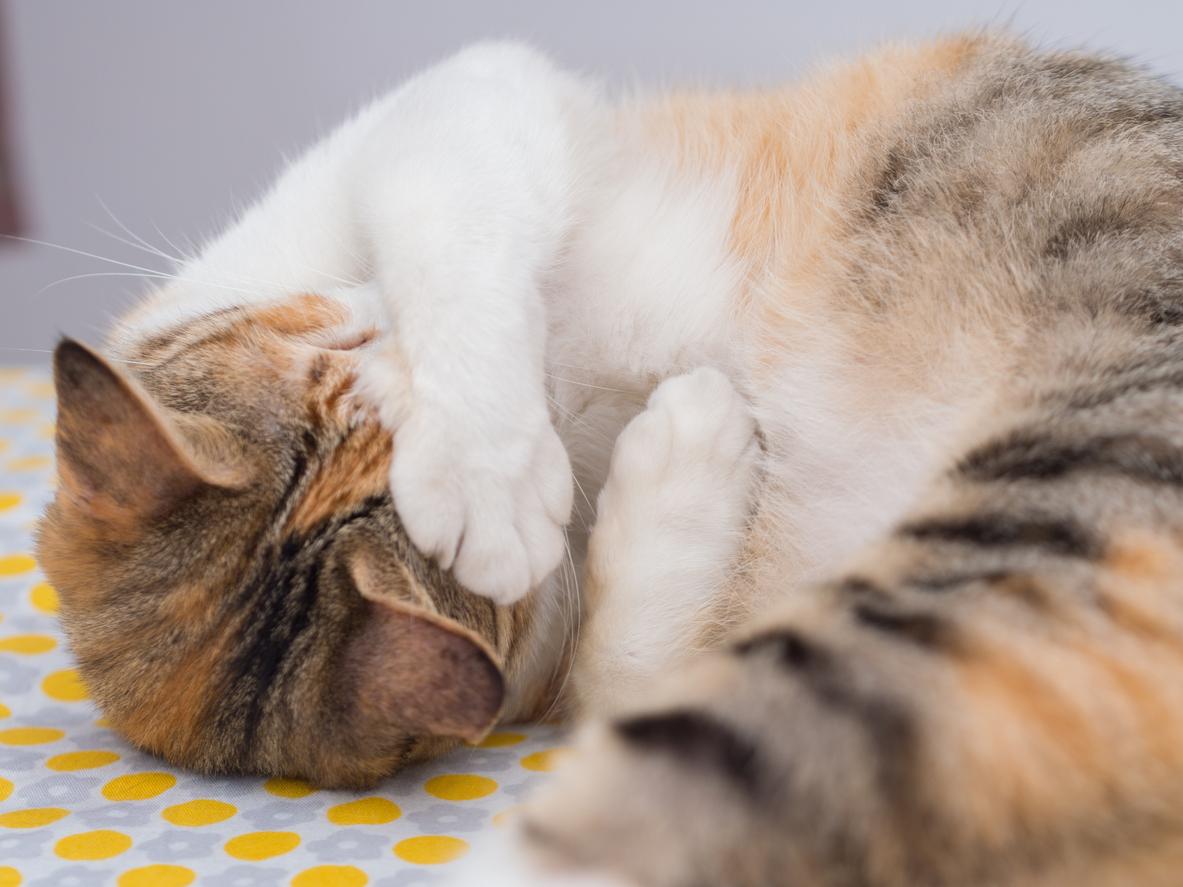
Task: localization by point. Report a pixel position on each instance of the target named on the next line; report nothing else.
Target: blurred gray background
(173, 114)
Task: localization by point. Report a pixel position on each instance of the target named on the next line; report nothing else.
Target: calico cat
(868, 388)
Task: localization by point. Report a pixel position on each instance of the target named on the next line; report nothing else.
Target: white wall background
(173, 113)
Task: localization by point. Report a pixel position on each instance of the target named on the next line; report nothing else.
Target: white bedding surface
(78, 806)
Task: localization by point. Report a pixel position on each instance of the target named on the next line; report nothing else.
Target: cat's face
(234, 579)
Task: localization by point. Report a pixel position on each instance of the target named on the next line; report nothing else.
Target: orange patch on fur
(1145, 558)
(357, 470)
(170, 725)
(301, 315)
(1035, 702)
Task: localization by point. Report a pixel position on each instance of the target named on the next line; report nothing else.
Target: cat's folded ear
(120, 458)
(413, 669)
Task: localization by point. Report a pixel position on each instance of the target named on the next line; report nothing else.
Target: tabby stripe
(950, 581)
(696, 739)
(1060, 536)
(1098, 397)
(1029, 455)
(286, 614)
(889, 725)
(1086, 230)
(859, 587)
(301, 461)
(925, 630)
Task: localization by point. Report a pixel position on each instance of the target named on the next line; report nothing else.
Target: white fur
(669, 527)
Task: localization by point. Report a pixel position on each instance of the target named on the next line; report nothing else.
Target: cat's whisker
(126, 242)
(573, 618)
(157, 272)
(83, 253)
(576, 418)
(185, 255)
(131, 274)
(591, 510)
(139, 241)
(588, 384)
(50, 351)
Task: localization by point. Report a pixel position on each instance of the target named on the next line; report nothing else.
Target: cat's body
(941, 580)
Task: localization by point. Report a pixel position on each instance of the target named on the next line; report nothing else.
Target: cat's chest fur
(651, 286)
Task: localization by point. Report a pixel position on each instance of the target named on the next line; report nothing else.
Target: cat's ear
(416, 670)
(120, 459)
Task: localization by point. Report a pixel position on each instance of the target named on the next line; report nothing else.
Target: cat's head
(234, 580)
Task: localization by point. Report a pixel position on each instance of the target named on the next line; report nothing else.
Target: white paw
(487, 500)
(688, 460)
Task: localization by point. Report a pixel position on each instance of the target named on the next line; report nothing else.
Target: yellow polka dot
(34, 818)
(24, 414)
(65, 686)
(460, 787)
(501, 740)
(288, 788)
(44, 597)
(543, 761)
(101, 844)
(30, 735)
(9, 501)
(9, 877)
(40, 389)
(27, 644)
(4, 710)
(331, 876)
(11, 374)
(4, 446)
(15, 564)
(138, 786)
(5, 788)
(157, 876)
(430, 849)
(81, 760)
(200, 812)
(262, 845)
(30, 463)
(46, 432)
(365, 811)
(105, 723)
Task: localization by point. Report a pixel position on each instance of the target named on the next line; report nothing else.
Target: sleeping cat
(868, 390)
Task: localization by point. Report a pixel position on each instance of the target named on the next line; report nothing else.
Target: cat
(867, 389)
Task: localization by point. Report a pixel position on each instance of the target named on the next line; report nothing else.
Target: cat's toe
(696, 425)
(495, 521)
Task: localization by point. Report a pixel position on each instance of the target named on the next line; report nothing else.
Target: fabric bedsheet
(78, 806)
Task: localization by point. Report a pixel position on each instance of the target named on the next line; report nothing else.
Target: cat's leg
(993, 694)
(442, 205)
(465, 192)
(669, 525)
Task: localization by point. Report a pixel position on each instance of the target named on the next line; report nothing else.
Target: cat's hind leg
(669, 528)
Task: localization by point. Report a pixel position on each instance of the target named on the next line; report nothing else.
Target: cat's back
(905, 228)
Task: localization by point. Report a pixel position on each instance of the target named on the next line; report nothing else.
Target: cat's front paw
(487, 500)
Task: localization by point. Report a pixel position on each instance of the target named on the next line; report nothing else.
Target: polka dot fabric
(78, 806)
